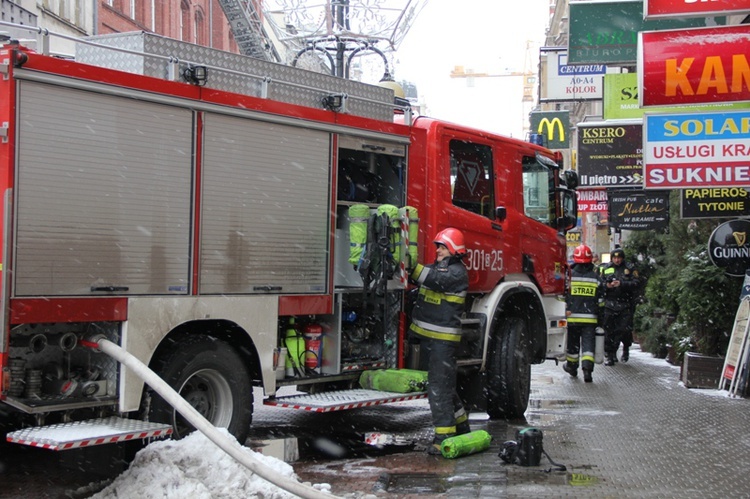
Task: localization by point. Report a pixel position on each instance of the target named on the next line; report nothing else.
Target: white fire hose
(202, 424)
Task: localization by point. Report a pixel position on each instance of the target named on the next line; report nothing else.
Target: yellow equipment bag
(394, 380)
(413, 233)
(359, 216)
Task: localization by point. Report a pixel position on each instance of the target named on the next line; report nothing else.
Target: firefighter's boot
(625, 354)
(587, 376)
(463, 428)
(571, 369)
(437, 442)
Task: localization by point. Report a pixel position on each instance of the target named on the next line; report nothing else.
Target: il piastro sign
(729, 247)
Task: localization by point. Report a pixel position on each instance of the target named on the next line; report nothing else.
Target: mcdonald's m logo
(552, 127)
(549, 127)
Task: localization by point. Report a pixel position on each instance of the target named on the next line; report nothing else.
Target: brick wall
(195, 21)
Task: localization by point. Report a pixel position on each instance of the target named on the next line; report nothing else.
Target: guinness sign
(729, 247)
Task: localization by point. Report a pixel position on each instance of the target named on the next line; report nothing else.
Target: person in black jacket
(621, 282)
(436, 320)
(584, 303)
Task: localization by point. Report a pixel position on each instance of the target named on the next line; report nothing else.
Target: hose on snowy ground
(202, 424)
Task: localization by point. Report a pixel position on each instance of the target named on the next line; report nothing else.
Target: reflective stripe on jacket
(585, 299)
(440, 303)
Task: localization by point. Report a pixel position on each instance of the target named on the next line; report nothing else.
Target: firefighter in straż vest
(621, 288)
(584, 303)
(436, 320)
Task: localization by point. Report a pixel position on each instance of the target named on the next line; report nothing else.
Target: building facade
(196, 21)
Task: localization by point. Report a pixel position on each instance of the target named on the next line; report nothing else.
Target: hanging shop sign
(621, 100)
(563, 82)
(590, 200)
(729, 247)
(694, 66)
(610, 154)
(639, 210)
(598, 36)
(553, 127)
(692, 150)
(660, 9)
(725, 202)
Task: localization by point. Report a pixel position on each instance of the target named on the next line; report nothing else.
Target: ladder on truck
(248, 30)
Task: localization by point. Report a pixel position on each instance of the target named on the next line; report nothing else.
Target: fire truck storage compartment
(50, 370)
(266, 205)
(122, 172)
(103, 194)
(370, 172)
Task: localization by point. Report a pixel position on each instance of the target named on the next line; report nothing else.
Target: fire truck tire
(211, 376)
(509, 371)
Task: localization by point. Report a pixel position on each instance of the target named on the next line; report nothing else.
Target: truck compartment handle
(109, 288)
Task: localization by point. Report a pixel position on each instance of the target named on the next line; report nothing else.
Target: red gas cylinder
(313, 334)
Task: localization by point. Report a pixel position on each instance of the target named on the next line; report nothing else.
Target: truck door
(539, 227)
(472, 210)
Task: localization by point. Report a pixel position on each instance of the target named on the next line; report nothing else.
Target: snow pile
(195, 468)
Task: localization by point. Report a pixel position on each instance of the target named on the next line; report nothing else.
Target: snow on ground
(196, 468)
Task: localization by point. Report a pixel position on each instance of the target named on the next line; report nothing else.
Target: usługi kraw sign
(694, 150)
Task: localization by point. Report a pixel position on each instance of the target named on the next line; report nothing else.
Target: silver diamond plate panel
(235, 73)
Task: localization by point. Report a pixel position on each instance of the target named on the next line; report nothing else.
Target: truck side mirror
(500, 213)
(570, 178)
(569, 204)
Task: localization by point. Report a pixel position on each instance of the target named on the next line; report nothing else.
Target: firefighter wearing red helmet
(584, 303)
(436, 321)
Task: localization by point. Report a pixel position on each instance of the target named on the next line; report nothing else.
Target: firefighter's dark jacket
(585, 299)
(621, 297)
(440, 303)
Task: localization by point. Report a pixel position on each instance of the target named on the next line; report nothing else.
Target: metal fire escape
(248, 30)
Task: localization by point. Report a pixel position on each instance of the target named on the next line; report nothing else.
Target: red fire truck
(198, 209)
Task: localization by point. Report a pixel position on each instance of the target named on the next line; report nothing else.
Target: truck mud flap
(341, 400)
(88, 433)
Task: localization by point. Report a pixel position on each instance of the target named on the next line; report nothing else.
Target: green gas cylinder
(463, 445)
(295, 348)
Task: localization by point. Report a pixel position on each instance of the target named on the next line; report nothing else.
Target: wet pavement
(636, 431)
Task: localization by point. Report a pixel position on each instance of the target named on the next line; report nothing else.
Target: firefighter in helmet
(584, 303)
(436, 320)
(621, 282)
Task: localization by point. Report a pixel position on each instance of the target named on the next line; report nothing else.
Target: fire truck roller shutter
(266, 204)
(103, 193)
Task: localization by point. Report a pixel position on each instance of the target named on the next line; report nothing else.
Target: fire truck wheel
(211, 376)
(509, 371)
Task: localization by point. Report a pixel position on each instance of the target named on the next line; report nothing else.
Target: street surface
(636, 431)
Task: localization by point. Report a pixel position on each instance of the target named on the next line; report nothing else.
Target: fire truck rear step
(341, 400)
(88, 433)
